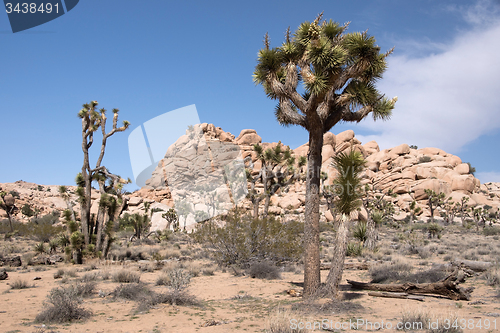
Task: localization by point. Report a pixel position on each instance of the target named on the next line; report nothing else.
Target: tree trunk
(337, 266)
(312, 278)
(447, 287)
(78, 257)
(371, 234)
(266, 205)
(10, 220)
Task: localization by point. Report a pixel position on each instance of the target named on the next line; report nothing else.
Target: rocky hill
(204, 171)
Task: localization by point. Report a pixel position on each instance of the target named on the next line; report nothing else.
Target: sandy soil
(243, 304)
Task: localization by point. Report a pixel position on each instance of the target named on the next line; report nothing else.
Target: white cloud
(486, 177)
(446, 99)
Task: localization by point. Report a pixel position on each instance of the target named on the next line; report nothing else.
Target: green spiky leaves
(338, 71)
(347, 184)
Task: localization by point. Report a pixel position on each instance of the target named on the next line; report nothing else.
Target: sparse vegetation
(126, 276)
(63, 305)
(264, 270)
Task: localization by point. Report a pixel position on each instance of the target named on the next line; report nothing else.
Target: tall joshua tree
(92, 120)
(339, 71)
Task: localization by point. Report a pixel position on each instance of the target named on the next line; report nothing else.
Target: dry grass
(126, 276)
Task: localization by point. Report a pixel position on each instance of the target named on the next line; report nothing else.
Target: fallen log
(447, 287)
(478, 266)
(396, 295)
(349, 265)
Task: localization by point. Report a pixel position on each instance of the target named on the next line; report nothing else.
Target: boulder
(291, 201)
(453, 160)
(463, 183)
(402, 149)
(344, 136)
(135, 201)
(435, 185)
(248, 137)
(326, 153)
(462, 169)
(301, 150)
(431, 151)
(3, 275)
(329, 139)
(371, 147)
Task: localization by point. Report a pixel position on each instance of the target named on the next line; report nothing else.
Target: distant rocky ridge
(197, 164)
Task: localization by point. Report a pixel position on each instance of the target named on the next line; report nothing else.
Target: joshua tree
(434, 201)
(92, 120)
(277, 172)
(450, 210)
(414, 211)
(378, 209)
(172, 219)
(462, 209)
(8, 203)
(339, 71)
(346, 200)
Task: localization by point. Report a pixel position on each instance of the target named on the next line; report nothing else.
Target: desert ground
(229, 299)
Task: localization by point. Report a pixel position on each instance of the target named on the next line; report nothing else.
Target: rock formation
(203, 172)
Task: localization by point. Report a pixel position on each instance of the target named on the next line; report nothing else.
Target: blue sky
(150, 57)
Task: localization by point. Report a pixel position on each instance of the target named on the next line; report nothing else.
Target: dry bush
(264, 270)
(393, 271)
(492, 277)
(415, 320)
(177, 279)
(62, 305)
(193, 268)
(280, 322)
(175, 297)
(132, 291)
(59, 273)
(126, 276)
(89, 277)
(20, 284)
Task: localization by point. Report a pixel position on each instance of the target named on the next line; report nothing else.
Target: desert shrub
(492, 277)
(354, 249)
(40, 248)
(62, 305)
(264, 270)
(88, 277)
(126, 276)
(424, 252)
(176, 298)
(193, 269)
(177, 278)
(424, 159)
(414, 321)
(428, 276)
(83, 289)
(359, 231)
(208, 271)
(244, 238)
(132, 291)
(280, 322)
(27, 210)
(491, 231)
(59, 273)
(390, 272)
(20, 284)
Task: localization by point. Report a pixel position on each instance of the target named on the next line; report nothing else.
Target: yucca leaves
(346, 185)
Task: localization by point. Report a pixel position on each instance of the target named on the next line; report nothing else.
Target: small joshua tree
(462, 209)
(378, 209)
(434, 200)
(277, 172)
(172, 219)
(8, 203)
(450, 210)
(414, 211)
